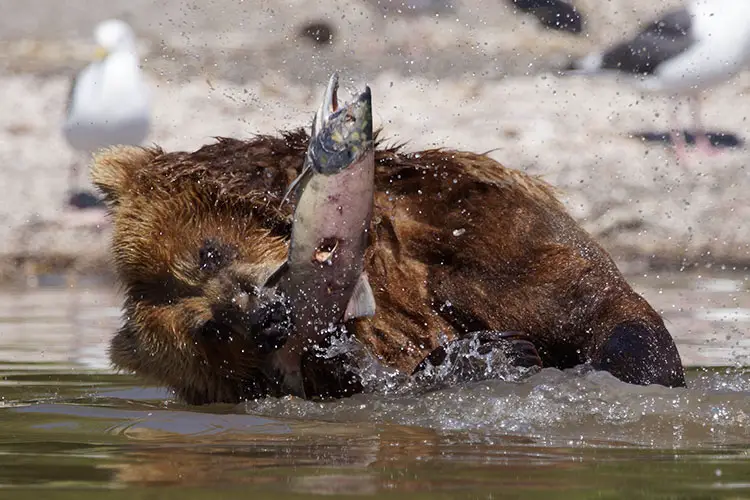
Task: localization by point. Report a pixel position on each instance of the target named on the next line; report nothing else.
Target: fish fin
(298, 181)
(362, 302)
(273, 280)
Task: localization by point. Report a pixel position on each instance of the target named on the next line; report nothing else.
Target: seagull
(109, 102)
(553, 14)
(685, 51)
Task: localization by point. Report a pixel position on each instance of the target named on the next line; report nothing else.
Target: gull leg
(701, 138)
(678, 138)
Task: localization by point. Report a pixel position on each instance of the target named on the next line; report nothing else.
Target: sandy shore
(484, 82)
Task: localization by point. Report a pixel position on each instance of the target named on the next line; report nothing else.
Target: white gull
(686, 51)
(109, 101)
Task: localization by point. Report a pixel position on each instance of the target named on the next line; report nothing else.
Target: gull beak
(100, 53)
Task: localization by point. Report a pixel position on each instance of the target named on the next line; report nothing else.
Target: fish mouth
(341, 132)
(330, 103)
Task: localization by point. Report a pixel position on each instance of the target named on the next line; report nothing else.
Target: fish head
(341, 134)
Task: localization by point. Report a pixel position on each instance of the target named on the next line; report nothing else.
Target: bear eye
(214, 255)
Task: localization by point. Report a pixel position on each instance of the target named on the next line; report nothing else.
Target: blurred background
(479, 75)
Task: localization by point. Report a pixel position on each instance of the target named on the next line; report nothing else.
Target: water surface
(74, 429)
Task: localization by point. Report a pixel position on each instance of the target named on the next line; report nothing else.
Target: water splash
(575, 406)
(464, 362)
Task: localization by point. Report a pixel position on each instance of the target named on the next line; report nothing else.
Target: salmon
(323, 278)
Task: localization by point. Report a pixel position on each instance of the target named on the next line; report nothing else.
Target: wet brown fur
(459, 244)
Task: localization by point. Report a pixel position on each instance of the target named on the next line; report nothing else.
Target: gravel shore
(484, 80)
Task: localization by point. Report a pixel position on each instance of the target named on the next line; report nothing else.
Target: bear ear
(114, 170)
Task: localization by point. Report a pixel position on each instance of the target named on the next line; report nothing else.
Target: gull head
(113, 35)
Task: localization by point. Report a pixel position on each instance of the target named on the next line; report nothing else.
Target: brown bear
(460, 247)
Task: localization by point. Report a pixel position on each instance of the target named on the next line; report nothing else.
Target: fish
(323, 278)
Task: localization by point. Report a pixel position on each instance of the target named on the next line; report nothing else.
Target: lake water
(70, 428)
